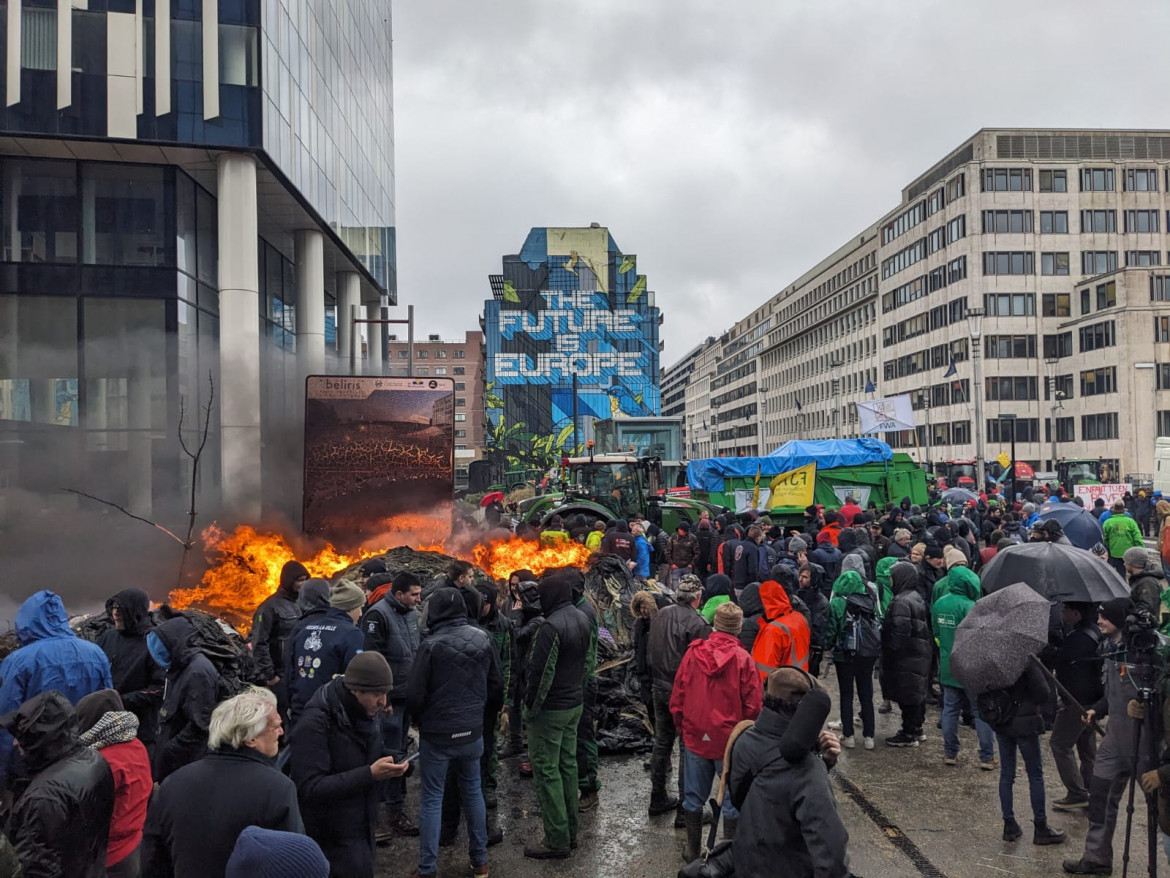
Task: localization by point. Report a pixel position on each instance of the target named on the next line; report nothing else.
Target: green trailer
(882, 481)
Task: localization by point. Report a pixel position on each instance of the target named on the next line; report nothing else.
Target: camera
(1146, 648)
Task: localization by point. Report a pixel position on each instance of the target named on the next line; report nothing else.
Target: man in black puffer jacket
(454, 679)
(338, 762)
(61, 824)
(137, 677)
(189, 697)
(1078, 668)
(906, 653)
(553, 699)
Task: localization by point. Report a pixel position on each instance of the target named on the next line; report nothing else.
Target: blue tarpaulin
(708, 474)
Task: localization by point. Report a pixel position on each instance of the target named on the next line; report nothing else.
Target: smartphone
(413, 756)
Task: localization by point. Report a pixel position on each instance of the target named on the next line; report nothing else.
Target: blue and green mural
(571, 303)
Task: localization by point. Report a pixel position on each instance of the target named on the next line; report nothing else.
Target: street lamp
(1051, 363)
(975, 325)
(836, 363)
(1153, 367)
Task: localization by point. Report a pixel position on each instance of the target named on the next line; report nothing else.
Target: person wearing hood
(272, 623)
(818, 618)
(339, 763)
(454, 680)
(716, 592)
(789, 816)
(588, 761)
(391, 627)
(553, 700)
(199, 811)
(951, 608)
(753, 611)
(907, 651)
(60, 825)
(617, 541)
(50, 656)
(831, 531)
(716, 687)
(854, 634)
(1145, 586)
(323, 641)
(499, 627)
(1141, 509)
(110, 729)
(784, 636)
(525, 618)
(137, 677)
(706, 542)
(189, 696)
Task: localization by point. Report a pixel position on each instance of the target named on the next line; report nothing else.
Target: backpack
(228, 654)
(862, 636)
(997, 707)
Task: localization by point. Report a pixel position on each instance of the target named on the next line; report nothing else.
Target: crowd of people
(111, 752)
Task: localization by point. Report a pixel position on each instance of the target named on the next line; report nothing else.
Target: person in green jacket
(854, 653)
(885, 596)
(593, 538)
(1121, 533)
(948, 611)
(716, 592)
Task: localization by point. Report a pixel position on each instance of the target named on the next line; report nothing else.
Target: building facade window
(460, 385)
(1011, 387)
(1009, 304)
(1020, 262)
(460, 354)
(460, 370)
(1025, 430)
(1054, 222)
(1098, 221)
(1099, 426)
(957, 228)
(1143, 258)
(1054, 181)
(460, 402)
(1097, 180)
(1061, 384)
(1065, 430)
(1098, 336)
(1163, 378)
(1141, 221)
(1095, 382)
(1161, 329)
(1058, 345)
(1159, 288)
(460, 417)
(1007, 180)
(1095, 262)
(421, 355)
(999, 222)
(1141, 180)
(1054, 263)
(403, 355)
(1010, 347)
(1056, 304)
(1106, 295)
(460, 434)
(956, 188)
(440, 370)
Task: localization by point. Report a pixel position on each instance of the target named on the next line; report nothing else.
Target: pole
(977, 393)
(926, 406)
(353, 339)
(576, 426)
(1012, 496)
(410, 340)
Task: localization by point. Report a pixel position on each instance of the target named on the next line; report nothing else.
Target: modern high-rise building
(461, 360)
(1057, 237)
(187, 190)
(569, 306)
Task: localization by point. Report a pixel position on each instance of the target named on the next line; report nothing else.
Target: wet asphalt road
(907, 815)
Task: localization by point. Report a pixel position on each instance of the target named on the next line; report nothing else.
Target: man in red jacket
(111, 730)
(716, 687)
(784, 636)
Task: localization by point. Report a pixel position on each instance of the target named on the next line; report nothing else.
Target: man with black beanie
(271, 624)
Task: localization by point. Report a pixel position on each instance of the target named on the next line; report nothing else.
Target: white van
(1162, 465)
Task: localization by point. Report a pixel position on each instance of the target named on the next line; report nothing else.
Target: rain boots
(694, 825)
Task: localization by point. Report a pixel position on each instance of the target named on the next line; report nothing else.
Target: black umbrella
(994, 641)
(959, 496)
(1078, 523)
(1059, 573)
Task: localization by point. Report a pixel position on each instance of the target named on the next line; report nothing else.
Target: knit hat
(1136, 556)
(788, 683)
(934, 551)
(369, 672)
(797, 545)
(372, 566)
(346, 595)
(1116, 611)
(688, 591)
(954, 557)
(729, 618)
(267, 853)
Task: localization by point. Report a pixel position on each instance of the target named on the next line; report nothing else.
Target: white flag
(886, 415)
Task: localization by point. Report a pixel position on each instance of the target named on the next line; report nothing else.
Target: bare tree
(194, 454)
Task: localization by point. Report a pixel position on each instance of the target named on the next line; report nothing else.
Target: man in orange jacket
(784, 636)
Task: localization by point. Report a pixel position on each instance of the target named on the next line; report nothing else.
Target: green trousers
(552, 747)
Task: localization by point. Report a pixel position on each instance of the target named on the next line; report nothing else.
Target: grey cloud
(731, 145)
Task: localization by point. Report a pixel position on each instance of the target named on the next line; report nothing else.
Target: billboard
(375, 448)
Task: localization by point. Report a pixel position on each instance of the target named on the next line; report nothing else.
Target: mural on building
(570, 304)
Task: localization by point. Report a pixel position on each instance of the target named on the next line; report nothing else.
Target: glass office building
(191, 192)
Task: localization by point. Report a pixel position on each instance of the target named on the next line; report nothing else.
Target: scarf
(115, 727)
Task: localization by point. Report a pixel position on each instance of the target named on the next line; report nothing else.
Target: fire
(244, 565)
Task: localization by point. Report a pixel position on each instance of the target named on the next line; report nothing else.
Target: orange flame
(244, 565)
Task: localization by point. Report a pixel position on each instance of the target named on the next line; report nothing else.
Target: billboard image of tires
(376, 448)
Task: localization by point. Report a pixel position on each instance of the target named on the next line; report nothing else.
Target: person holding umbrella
(1078, 669)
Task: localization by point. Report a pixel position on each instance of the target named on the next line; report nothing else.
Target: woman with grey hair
(192, 826)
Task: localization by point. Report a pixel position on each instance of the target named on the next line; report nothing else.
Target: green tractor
(609, 486)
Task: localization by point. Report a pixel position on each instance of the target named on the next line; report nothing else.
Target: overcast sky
(730, 144)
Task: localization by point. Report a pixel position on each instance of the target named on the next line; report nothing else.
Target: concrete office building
(1060, 237)
(461, 360)
(187, 188)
